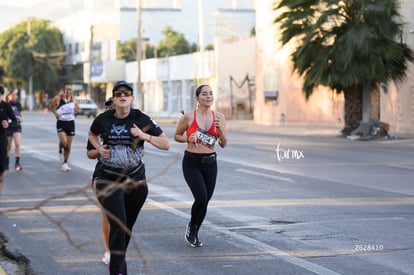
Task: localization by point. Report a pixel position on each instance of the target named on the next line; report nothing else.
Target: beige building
(397, 105)
(279, 96)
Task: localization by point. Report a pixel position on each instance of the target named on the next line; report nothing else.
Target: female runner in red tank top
(204, 128)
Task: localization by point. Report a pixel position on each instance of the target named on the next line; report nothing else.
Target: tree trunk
(376, 103)
(353, 109)
(366, 102)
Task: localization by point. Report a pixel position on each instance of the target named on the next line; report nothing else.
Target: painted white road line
(264, 175)
(267, 249)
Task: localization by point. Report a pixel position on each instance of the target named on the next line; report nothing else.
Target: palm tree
(350, 46)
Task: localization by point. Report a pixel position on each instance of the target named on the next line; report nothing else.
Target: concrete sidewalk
(292, 129)
(249, 126)
(286, 129)
(302, 130)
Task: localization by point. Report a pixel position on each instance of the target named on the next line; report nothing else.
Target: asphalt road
(288, 200)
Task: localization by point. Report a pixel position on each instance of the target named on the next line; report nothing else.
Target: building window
(165, 92)
(190, 99)
(69, 49)
(271, 96)
(177, 96)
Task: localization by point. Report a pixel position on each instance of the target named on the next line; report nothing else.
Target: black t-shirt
(116, 133)
(17, 109)
(6, 113)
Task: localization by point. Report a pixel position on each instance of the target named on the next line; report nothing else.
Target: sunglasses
(120, 92)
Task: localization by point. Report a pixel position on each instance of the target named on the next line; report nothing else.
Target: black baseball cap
(120, 84)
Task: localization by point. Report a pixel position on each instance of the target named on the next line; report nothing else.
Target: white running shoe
(106, 258)
(65, 167)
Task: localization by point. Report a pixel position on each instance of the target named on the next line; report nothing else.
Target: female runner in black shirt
(120, 174)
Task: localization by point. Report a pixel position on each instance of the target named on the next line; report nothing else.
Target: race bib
(67, 112)
(205, 138)
(66, 116)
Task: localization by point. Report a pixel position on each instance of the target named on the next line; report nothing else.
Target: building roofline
(238, 10)
(150, 9)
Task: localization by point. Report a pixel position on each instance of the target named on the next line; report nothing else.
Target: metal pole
(201, 25)
(201, 36)
(30, 80)
(250, 94)
(139, 50)
(90, 62)
(231, 96)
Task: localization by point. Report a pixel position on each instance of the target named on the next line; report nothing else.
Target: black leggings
(125, 204)
(200, 173)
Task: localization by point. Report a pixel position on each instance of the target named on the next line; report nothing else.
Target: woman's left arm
(161, 141)
(220, 123)
(76, 103)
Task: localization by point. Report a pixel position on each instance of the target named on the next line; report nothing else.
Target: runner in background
(14, 132)
(64, 106)
(6, 115)
(93, 153)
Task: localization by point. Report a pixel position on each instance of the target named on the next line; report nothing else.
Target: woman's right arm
(52, 105)
(94, 139)
(181, 129)
(102, 150)
(93, 153)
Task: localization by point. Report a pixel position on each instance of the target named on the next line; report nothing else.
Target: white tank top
(67, 111)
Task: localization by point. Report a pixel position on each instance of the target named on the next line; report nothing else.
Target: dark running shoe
(191, 236)
(18, 167)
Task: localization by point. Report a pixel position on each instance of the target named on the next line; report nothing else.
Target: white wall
(274, 73)
(236, 58)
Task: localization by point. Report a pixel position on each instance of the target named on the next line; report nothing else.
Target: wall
(274, 74)
(235, 70)
(397, 105)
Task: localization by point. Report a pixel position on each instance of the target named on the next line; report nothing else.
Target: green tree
(32, 48)
(150, 51)
(253, 31)
(127, 50)
(173, 43)
(349, 46)
(210, 47)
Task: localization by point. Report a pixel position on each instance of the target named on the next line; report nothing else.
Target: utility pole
(30, 80)
(201, 35)
(90, 62)
(137, 93)
(201, 25)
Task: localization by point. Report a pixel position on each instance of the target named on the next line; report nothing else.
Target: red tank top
(194, 127)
